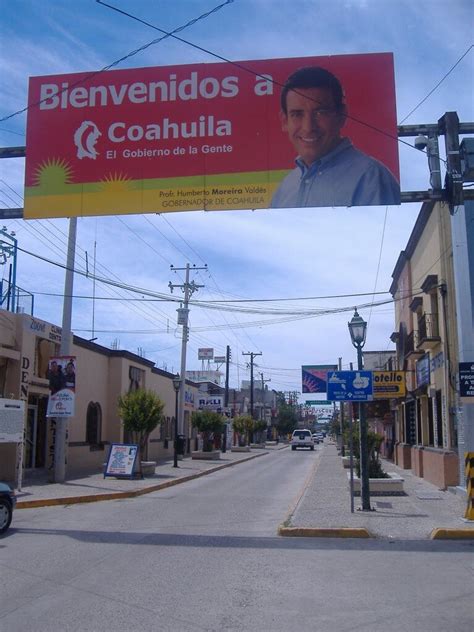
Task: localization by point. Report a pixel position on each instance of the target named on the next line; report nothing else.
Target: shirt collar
(342, 146)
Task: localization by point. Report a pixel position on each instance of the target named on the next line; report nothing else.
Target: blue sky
(277, 254)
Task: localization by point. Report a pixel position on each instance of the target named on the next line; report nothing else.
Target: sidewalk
(94, 487)
(324, 508)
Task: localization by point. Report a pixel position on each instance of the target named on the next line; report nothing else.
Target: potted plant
(141, 412)
(243, 425)
(209, 424)
(259, 428)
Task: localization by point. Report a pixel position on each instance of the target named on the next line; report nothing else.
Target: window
(439, 419)
(136, 377)
(94, 424)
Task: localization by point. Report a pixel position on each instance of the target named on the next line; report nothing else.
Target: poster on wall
(213, 136)
(62, 386)
(12, 420)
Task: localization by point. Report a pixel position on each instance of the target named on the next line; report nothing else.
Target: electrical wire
(438, 84)
(118, 61)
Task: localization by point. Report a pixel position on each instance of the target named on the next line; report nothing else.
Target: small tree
(259, 427)
(374, 442)
(208, 423)
(141, 412)
(243, 426)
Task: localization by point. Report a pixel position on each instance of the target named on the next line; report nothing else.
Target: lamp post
(176, 386)
(358, 331)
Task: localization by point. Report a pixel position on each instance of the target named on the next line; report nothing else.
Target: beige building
(426, 340)
(26, 345)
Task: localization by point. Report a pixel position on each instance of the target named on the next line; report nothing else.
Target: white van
(302, 439)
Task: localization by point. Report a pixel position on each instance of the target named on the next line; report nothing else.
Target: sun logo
(53, 173)
(85, 138)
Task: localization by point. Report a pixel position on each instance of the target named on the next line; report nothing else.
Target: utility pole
(252, 355)
(188, 288)
(228, 356)
(462, 217)
(263, 395)
(60, 437)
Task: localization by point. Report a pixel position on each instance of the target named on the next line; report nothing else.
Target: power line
(438, 84)
(118, 61)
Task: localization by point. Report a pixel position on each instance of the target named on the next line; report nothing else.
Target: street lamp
(176, 386)
(358, 331)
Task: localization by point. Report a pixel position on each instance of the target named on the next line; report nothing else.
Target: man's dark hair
(313, 77)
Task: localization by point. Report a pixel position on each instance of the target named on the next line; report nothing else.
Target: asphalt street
(204, 555)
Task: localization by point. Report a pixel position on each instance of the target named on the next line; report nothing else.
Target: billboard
(207, 136)
(205, 354)
(314, 377)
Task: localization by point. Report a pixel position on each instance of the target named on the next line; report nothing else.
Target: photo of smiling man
(329, 170)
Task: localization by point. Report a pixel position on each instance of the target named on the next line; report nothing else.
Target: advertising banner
(466, 380)
(388, 384)
(211, 402)
(208, 136)
(121, 461)
(314, 377)
(62, 386)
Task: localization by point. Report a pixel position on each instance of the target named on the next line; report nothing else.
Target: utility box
(180, 444)
(467, 159)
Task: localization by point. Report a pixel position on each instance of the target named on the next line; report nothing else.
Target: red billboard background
(226, 119)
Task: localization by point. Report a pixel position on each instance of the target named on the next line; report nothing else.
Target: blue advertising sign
(350, 386)
(423, 371)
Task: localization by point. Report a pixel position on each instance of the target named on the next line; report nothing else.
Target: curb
(452, 534)
(91, 498)
(314, 532)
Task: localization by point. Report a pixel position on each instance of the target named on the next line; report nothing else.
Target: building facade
(426, 340)
(102, 375)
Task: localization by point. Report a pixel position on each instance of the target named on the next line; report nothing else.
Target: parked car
(302, 439)
(317, 437)
(7, 504)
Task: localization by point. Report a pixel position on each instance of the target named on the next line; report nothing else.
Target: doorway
(35, 439)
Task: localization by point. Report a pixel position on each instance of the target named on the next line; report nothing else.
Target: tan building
(426, 339)
(26, 345)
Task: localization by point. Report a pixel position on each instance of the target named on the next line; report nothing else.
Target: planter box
(257, 445)
(392, 486)
(148, 468)
(240, 448)
(206, 456)
(346, 462)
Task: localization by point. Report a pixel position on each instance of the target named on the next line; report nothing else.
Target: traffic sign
(350, 386)
(317, 402)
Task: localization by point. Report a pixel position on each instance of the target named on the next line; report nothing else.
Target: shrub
(243, 426)
(208, 423)
(141, 412)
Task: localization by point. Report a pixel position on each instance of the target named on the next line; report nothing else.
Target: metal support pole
(351, 454)
(341, 418)
(175, 453)
(65, 349)
(364, 452)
